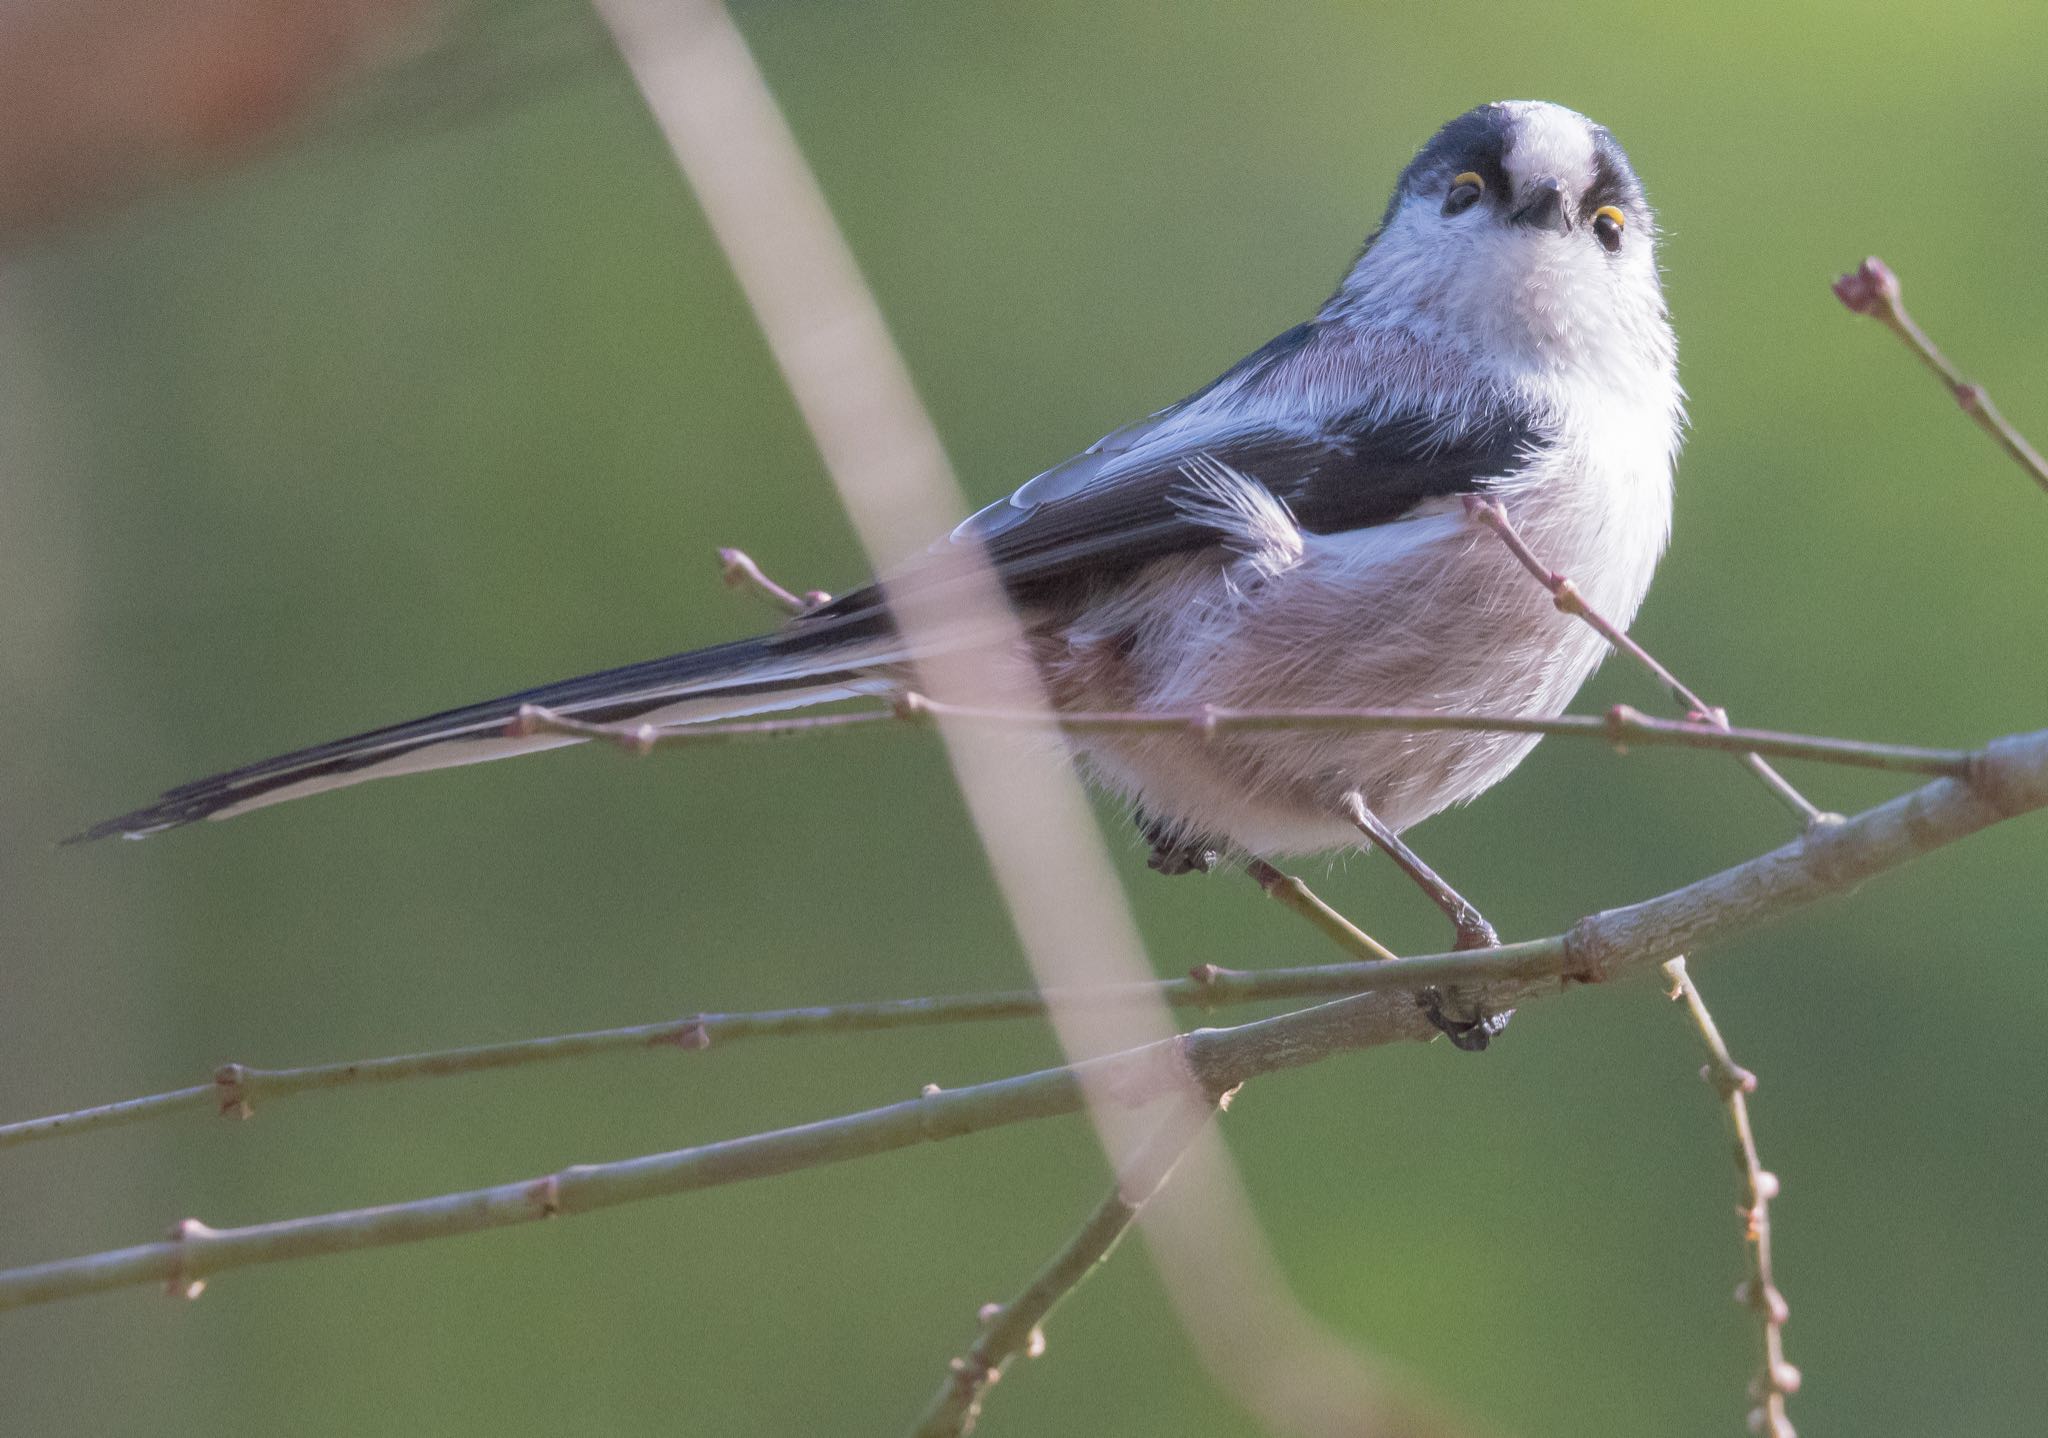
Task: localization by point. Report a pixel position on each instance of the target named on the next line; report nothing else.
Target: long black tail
(799, 665)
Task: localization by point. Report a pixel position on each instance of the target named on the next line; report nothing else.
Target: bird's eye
(1464, 194)
(1608, 224)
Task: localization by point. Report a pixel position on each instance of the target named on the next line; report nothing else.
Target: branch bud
(1872, 290)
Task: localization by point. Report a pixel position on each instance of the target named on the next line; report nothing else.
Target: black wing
(1124, 503)
(1334, 481)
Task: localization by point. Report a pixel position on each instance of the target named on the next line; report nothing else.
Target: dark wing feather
(1343, 479)
(1123, 503)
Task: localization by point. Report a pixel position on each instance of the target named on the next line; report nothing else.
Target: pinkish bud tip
(1871, 290)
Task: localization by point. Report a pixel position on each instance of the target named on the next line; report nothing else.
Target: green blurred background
(454, 394)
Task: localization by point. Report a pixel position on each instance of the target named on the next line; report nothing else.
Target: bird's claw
(1186, 859)
(1469, 1035)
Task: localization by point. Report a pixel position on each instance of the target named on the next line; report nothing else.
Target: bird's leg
(1473, 930)
(1473, 1029)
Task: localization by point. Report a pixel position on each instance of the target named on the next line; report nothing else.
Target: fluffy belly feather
(1431, 612)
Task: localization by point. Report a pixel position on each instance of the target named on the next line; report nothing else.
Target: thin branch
(2009, 778)
(1047, 856)
(238, 1088)
(109, 1115)
(1874, 290)
(1013, 1328)
(646, 738)
(1776, 1379)
(1622, 726)
(1291, 893)
(737, 568)
(1569, 600)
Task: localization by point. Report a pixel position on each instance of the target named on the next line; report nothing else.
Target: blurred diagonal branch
(2008, 778)
(826, 332)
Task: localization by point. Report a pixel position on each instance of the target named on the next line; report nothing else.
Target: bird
(1292, 534)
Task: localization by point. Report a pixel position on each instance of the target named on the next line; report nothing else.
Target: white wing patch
(1255, 523)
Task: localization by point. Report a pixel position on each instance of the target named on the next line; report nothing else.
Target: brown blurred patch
(104, 99)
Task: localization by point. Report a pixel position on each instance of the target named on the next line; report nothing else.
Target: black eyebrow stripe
(1614, 183)
(1473, 141)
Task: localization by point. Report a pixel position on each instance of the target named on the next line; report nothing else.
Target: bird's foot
(1470, 1031)
(1174, 852)
(1183, 859)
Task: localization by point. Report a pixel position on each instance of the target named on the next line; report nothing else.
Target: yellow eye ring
(1608, 223)
(1466, 188)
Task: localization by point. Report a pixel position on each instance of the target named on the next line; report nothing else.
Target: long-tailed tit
(1291, 535)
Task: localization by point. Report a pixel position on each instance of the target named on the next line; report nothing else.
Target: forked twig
(1776, 1379)
(1872, 289)
(1569, 600)
(1010, 1329)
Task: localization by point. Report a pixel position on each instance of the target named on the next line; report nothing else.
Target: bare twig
(2009, 778)
(1776, 1379)
(738, 568)
(1569, 600)
(1872, 289)
(237, 1089)
(646, 738)
(1010, 1329)
(1292, 893)
(1622, 726)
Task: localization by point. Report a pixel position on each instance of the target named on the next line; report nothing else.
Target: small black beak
(1545, 208)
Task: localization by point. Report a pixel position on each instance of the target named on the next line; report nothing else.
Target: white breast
(1430, 612)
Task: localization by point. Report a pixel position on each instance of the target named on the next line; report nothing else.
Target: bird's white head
(1519, 235)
